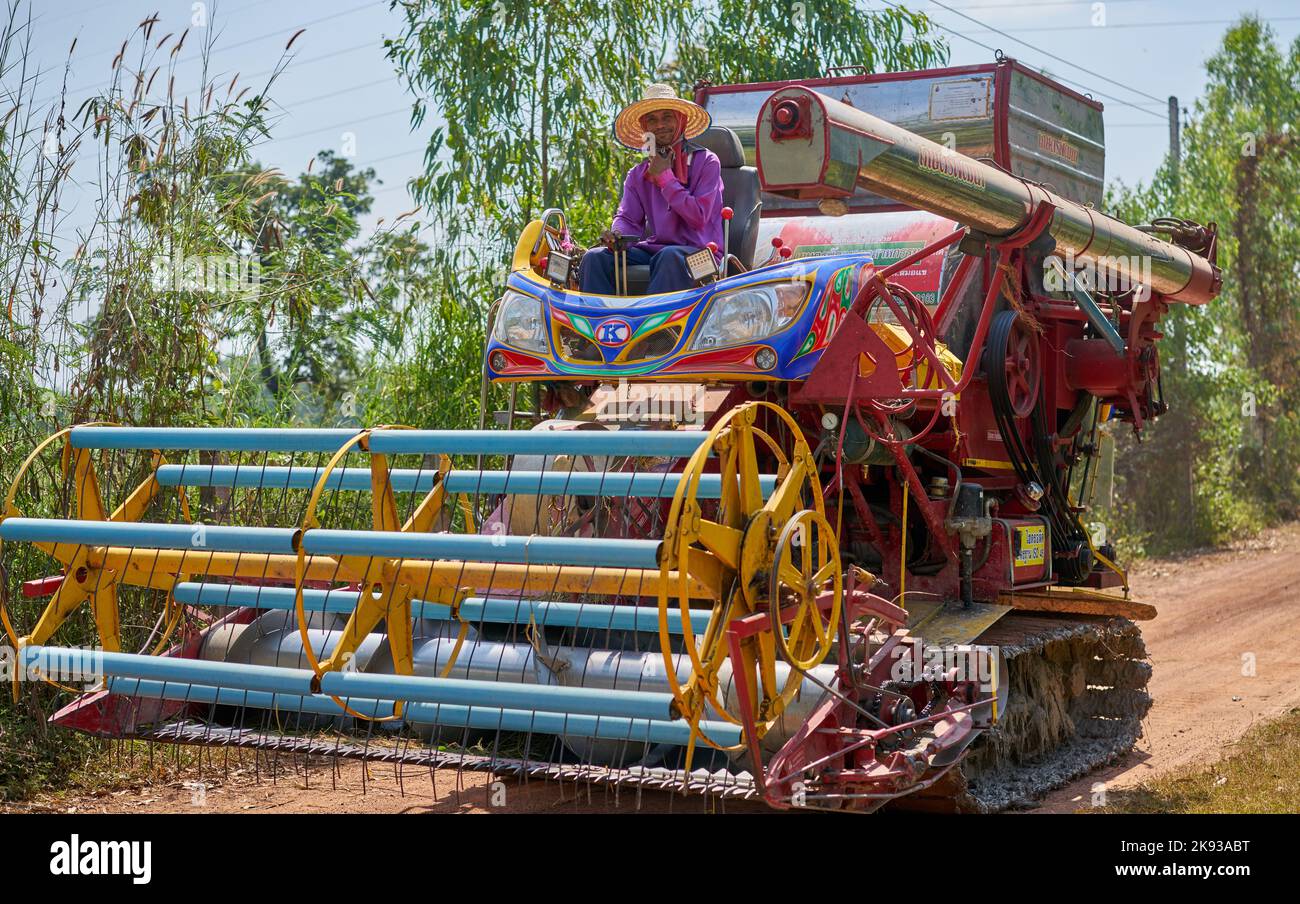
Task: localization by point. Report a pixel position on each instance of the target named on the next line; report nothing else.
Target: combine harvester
(811, 533)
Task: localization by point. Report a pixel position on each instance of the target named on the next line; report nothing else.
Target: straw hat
(627, 125)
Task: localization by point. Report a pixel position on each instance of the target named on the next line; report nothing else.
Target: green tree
(433, 351)
(1244, 167)
(521, 97)
(1227, 456)
(304, 235)
(741, 41)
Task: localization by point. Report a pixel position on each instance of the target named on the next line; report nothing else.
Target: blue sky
(340, 82)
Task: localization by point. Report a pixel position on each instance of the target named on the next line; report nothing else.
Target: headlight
(520, 323)
(749, 314)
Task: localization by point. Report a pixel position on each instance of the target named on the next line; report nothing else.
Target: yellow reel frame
(736, 555)
(383, 595)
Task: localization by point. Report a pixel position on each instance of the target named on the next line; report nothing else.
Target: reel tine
(530, 616)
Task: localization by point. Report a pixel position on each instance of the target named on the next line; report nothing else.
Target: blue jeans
(668, 271)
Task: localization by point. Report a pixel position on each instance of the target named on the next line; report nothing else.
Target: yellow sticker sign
(1031, 545)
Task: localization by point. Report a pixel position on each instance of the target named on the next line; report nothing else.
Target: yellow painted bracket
(86, 578)
(385, 594)
(732, 555)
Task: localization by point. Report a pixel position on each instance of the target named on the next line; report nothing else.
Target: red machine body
(962, 485)
(940, 174)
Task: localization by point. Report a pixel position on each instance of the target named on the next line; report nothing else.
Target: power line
(293, 28)
(400, 186)
(1140, 25)
(1023, 5)
(271, 34)
(421, 150)
(350, 122)
(227, 47)
(333, 94)
(995, 50)
(1041, 50)
(109, 51)
(336, 54)
(68, 15)
(331, 55)
(406, 153)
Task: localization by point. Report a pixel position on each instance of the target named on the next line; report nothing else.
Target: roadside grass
(112, 768)
(81, 767)
(1262, 776)
(81, 774)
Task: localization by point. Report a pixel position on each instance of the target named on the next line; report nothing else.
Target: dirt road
(1225, 650)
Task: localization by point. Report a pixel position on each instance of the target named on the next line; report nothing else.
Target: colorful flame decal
(658, 320)
(582, 325)
(834, 286)
(835, 300)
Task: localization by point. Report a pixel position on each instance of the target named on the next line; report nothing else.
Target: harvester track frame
(741, 632)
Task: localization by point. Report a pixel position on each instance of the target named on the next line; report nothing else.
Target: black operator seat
(740, 191)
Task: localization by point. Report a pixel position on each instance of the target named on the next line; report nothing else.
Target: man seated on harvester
(672, 201)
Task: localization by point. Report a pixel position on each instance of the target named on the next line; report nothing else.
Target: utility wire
(1182, 24)
(111, 51)
(299, 64)
(1066, 62)
(42, 17)
(332, 94)
(1028, 4)
(227, 47)
(344, 124)
(996, 50)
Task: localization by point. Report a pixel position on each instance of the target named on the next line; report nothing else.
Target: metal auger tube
(274, 641)
(818, 147)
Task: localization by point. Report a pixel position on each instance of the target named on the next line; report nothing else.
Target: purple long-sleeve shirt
(669, 213)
